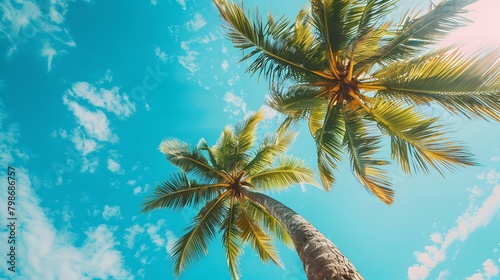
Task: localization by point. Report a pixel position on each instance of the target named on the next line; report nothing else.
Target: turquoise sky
(89, 88)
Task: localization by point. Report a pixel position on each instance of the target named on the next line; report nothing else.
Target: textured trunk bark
(320, 258)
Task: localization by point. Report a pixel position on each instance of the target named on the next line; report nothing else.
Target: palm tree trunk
(320, 258)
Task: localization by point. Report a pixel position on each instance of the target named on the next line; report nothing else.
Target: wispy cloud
(114, 166)
(234, 104)
(25, 20)
(182, 3)
(197, 23)
(110, 100)
(95, 123)
(224, 65)
(161, 54)
(489, 271)
(475, 216)
(132, 232)
(188, 60)
(49, 52)
(82, 144)
(154, 2)
(111, 212)
(57, 257)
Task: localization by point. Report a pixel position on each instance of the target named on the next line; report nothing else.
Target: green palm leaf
(297, 100)
(224, 150)
(203, 146)
(466, 85)
(193, 244)
(276, 54)
(272, 146)
(231, 239)
(180, 192)
(414, 33)
(268, 221)
(288, 172)
(362, 146)
(245, 134)
(258, 239)
(189, 160)
(417, 140)
(329, 145)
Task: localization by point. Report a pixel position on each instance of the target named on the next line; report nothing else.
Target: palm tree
(223, 181)
(356, 77)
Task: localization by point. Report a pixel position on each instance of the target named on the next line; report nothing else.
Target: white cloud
(196, 23)
(161, 54)
(89, 165)
(152, 231)
(49, 52)
(268, 112)
(171, 239)
(114, 166)
(25, 20)
(443, 275)
(490, 269)
(111, 212)
(137, 190)
(110, 100)
(437, 237)
(224, 65)
(476, 276)
(57, 257)
(107, 78)
(234, 104)
(474, 217)
(131, 182)
(95, 123)
(154, 2)
(188, 60)
(132, 232)
(85, 146)
(182, 3)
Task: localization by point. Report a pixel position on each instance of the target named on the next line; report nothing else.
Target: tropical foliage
(356, 77)
(212, 178)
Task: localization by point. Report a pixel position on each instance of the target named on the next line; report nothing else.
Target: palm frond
(258, 239)
(414, 33)
(272, 146)
(231, 239)
(245, 134)
(225, 150)
(362, 146)
(297, 100)
(330, 19)
(288, 172)
(466, 85)
(416, 140)
(188, 159)
(180, 192)
(194, 243)
(278, 56)
(203, 146)
(329, 145)
(268, 221)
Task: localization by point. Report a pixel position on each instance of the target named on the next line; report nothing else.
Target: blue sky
(89, 88)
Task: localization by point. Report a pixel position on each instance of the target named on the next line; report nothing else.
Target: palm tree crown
(356, 78)
(218, 175)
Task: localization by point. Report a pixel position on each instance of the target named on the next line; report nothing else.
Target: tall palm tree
(356, 77)
(223, 181)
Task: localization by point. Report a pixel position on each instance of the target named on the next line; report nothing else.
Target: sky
(89, 88)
